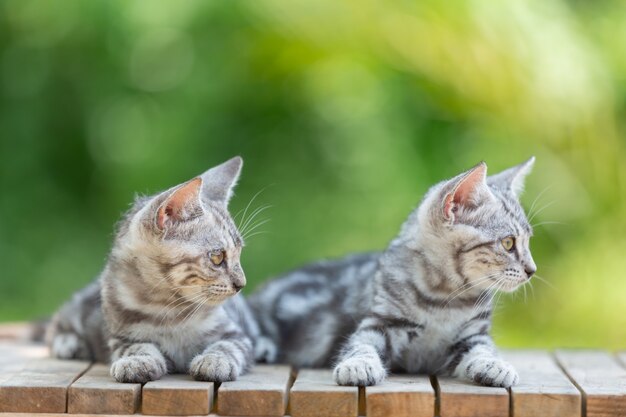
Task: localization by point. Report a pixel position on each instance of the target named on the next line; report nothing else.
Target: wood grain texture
(177, 395)
(260, 392)
(40, 386)
(465, 399)
(401, 396)
(315, 393)
(14, 356)
(602, 379)
(96, 392)
(15, 331)
(543, 388)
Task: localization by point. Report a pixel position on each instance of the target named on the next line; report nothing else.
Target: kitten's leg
(224, 360)
(265, 350)
(68, 332)
(360, 362)
(136, 362)
(475, 358)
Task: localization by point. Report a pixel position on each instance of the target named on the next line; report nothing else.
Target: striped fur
(422, 305)
(161, 304)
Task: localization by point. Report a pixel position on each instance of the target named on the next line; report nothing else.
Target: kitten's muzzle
(530, 271)
(238, 287)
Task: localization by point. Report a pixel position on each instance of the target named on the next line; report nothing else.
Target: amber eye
(217, 257)
(508, 243)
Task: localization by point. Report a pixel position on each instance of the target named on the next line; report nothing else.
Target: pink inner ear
(469, 185)
(465, 191)
(174, 207)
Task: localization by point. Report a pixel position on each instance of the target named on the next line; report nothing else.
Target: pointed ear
(467, 191)
(181, 205)
(512, 179)
(218, 182)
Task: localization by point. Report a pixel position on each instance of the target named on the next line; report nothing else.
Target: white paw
(265, 350)
(215, 367)
(68, 346)
(493, 372)
(359, 371)
(138, 368)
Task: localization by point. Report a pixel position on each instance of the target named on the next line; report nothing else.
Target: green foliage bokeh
(344, 112)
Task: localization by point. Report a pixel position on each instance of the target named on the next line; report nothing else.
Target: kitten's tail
(25, 332)
(37, 330)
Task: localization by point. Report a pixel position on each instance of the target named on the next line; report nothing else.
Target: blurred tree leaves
(345, 114)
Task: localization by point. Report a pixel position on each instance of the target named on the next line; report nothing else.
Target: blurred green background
(345, 113)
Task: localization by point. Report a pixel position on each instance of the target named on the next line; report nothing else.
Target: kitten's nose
(238, 287)
(530, 271)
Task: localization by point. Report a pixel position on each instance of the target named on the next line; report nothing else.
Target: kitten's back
(306, 313)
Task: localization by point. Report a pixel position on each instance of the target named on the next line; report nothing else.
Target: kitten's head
(183, 241)
(475, 227)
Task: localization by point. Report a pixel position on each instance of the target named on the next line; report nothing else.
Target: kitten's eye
(217, 257)
(508, 243)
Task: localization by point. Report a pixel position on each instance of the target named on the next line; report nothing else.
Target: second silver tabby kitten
(422, 305)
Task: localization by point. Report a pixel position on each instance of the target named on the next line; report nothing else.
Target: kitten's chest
(181, 344)
(425, 349)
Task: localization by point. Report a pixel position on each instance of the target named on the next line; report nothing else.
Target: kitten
(167, 299)
(424, 304)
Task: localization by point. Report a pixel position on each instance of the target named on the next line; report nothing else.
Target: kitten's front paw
(69, 346)
(359, 371)
(492, 372)
(141, 369)
(215, 367)
(265, 350)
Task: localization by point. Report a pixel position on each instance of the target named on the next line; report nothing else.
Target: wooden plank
(401, 396)
(600, 377)
(10, 350)
(14, 356)
(465, 399)
(96, 392)
(315, 393)
(15, 331)
(177, 395)
(543, 388)
(260, 392)
(40, 387)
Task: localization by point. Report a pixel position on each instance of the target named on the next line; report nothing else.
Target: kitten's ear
(466, 191)
(218, 182)
(182, 204)
(512, 179)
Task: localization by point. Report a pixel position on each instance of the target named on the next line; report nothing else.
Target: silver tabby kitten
(167, 298)
(424, 304)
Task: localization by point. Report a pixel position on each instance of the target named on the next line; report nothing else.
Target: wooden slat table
(564, 383)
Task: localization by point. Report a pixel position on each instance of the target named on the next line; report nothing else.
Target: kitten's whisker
(260, 232)
(192, 303)
(165, 310)
(486, 297)
(193, 312)
(198, 309)
(546, 282)
(547, 222)
(471, 284)
(243, 217)
(245, 226)
(545, 206)
(455, 294)
(255, 226)
(532, 206)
